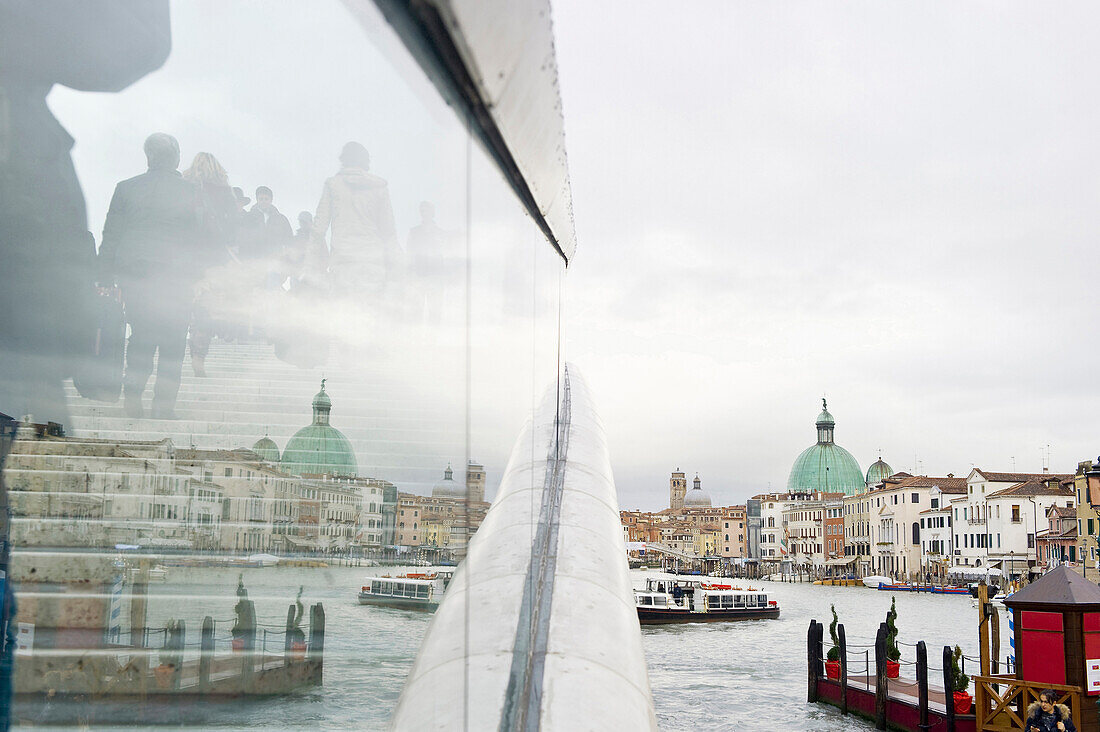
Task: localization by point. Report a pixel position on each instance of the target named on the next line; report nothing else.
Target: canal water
(722, 676)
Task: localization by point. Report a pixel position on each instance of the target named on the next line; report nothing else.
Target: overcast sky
(891, 204)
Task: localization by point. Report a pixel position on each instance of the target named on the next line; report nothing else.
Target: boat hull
(403, 603)
(648, 616)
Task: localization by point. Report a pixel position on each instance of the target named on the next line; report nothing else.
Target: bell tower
(677, 489)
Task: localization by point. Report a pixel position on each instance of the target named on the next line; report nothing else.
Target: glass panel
(275, 298)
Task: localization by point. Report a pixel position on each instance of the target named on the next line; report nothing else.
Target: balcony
(974, 521)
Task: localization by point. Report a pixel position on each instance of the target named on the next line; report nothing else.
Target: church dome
(319, 448)
(697, 497)
(266, 448)
(878, 472)
(826, 466)
(448, 488)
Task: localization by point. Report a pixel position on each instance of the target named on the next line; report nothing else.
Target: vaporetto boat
(413, 591)
(694, 601)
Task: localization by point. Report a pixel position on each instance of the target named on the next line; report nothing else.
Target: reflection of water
(706, 676)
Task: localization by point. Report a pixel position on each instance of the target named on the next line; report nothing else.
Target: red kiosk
(1057, 637)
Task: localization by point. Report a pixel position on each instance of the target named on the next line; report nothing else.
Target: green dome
(266, 448)
(826, 466)
(878, 472)
(320, 448)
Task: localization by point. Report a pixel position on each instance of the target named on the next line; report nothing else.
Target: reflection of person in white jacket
(363, 249)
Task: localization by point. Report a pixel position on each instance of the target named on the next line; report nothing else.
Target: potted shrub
(893, 653)
(294, 632)
(961, 684)
(832, 659)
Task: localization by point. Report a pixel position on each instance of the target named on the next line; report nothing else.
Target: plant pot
(298, 650)
(893, 669)
(238, 644)
(963, 702)
(832, 670)
(163, 674)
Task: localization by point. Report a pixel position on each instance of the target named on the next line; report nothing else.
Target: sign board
(24, 638)
(1092, 675)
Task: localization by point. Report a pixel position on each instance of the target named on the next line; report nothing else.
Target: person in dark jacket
(269, 231)
(1046, 715)
(47, 256)
(152, 241)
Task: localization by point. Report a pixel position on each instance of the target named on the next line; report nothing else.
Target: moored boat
(678, 601)
(875, 580)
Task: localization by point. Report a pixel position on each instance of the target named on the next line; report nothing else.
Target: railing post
(881, 683)
(206, 652)
(843, 669)
(922, 683)
(949, 687)
(811, 662)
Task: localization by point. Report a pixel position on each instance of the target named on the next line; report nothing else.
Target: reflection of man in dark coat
(46, 254)
(150, 242)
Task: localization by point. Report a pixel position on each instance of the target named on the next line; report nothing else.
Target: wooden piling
(291, 611)
(206, 652)
(811, 661)
(922, 683)
(843, 669)
(881, 682)
(949, 687)
(316, 649)
(248, 653)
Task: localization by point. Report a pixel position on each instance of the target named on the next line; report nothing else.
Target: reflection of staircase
(405, 427)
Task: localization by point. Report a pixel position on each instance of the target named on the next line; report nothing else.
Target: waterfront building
(826, 466)
(895, 533)
(937, 546)
(997, 520)
(1088, 520)
(1057, 543)
(833, 526)
(804, 519)
(752, 526)
(733, 543)
(446, 520)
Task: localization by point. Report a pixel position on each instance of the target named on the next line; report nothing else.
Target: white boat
(695, 601)
(412, 591)
(875, 580)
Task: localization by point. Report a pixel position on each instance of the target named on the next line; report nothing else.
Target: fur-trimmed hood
(1062, 710)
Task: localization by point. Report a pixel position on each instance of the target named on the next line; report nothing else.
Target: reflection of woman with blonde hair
(220, 216)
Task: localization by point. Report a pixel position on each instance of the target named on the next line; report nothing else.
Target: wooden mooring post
(881, 682)
(843, 669)
(922, 684)
(948, 687)
(813, 656)
(316, 649)
(206, 653)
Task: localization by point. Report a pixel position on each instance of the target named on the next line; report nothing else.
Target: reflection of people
(269, 234)
(46, 257)
(355, 204)
(218, 226)
(428, 266)
(1046, 715)
(151, 246)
